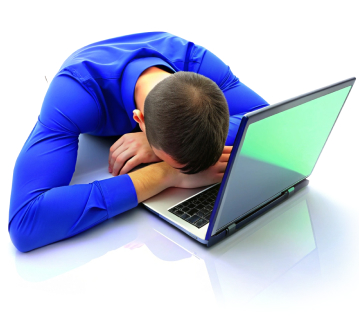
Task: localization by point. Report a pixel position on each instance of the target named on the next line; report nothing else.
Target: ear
(140, 119)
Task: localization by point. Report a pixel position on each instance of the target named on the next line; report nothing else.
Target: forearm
(152, 179)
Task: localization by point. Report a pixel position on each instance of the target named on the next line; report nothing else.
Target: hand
(129, 151)
(209, 176)
(155, 178)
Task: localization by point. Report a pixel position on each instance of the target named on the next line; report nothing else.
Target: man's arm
(155, 178)
(240, 98)
(152, 179)
(43, 207)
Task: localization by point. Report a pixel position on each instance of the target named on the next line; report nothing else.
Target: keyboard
(197, 210)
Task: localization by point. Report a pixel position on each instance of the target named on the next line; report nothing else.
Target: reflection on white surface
(248, 262)
(254, 263)
(235, 271)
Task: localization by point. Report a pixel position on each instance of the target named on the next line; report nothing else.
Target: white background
(278, 48)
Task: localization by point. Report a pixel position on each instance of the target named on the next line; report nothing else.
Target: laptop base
(231, 229)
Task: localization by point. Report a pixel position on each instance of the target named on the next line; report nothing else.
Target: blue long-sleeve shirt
(93, 92)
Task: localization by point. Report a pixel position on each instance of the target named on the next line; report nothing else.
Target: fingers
(227, 149)
(120, 160)
(113, 148)
(114, 156)
(224, 158)
(130, 164)
(222, 167)
(219, 167)
(219, 177)
(225, 154)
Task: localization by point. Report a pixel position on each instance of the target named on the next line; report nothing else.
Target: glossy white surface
(302, 257)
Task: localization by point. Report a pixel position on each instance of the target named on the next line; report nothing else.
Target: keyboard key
(201, 222)
(185, 209)
(192, 211)
(185, 216)
(179, 213)
(208, 214)
(193, 219)
(197, 210)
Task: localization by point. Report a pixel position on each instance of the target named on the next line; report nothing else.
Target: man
(182, 100)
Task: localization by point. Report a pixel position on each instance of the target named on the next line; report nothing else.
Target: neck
(146, 82)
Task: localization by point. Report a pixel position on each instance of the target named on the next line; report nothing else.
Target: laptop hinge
(231, 229)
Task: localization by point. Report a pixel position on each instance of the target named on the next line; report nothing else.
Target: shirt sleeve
(43, 207)
(240, 98)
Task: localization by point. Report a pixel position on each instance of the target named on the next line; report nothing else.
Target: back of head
(186, 116)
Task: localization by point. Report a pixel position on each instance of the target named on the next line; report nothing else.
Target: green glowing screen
(293, 139)
(278, 151)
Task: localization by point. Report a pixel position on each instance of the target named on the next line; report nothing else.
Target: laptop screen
(277, 151)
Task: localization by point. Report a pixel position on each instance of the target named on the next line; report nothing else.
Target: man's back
(94, 93)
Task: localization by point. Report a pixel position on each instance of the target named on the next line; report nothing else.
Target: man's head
(186, 121)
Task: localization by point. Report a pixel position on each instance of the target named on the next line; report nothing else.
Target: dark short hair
(186, 116)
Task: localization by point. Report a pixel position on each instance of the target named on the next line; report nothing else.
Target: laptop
(275, 151)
